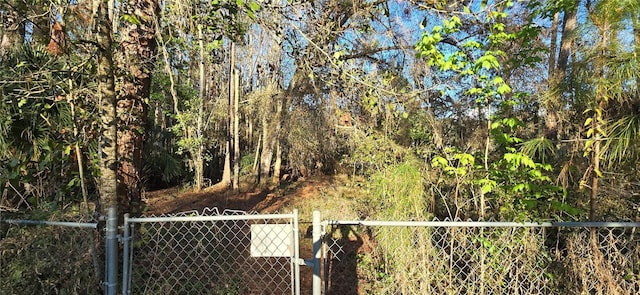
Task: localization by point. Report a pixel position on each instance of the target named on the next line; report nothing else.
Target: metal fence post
(111, 249)
(296, 249)
(317, 246)
(126, 236)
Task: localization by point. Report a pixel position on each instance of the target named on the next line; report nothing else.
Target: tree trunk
(267, 150)
(566, 42)
(558, 74)
(236, 133)
(136, 59)
(636, 42)
(226, 173)
(108, 164)
(11, 31)
(554, 44)
(277, 165)
(107, 110)
(598, 121)
(199, 151)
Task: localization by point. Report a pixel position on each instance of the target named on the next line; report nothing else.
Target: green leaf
(130, 18)
(529, 203)
(488, 61)
(598, 172)
(589, 132)
(465, 159)
(557, 205)
(461, 171)
(504, 88)
(520, 187)
(254, 6)
(439, 161)
(22, 102)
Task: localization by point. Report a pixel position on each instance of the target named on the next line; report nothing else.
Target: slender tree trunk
(256, 157)
(593, 197)
(267, 150)
(168, 70)
(236, 131)
(636, 42)
(136, 59)
(199, 150)
(277, 165)
(598, 120)
(553, 47)
(79, 158)
(226, 173)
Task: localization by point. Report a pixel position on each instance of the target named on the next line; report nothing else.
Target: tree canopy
(492, 109)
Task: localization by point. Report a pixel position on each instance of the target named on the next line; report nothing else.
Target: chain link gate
(460, 257)
(212, 253)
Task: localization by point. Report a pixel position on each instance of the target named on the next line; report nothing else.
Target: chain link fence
(480, 258)
(49, 257)
(230, 252)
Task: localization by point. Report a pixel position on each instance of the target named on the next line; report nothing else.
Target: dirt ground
(249, 197)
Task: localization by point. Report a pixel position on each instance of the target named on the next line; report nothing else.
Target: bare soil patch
(248, 198)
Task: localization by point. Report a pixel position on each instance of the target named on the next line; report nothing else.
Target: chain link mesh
(49, 259)
(481, 260)
(207, 257)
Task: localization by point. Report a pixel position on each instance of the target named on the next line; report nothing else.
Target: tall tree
(12, 26)
(614, 125)
(136, 60)
(558, 65)
(108, 139)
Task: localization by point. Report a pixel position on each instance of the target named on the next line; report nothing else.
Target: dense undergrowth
(39, 259)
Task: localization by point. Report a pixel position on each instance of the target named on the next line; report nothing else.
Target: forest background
(511, 110)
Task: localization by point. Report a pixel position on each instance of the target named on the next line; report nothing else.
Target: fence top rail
(54, 223)
(482, 224)
(210, 218)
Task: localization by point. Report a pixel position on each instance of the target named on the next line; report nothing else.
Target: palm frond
(624, 135)
(541, 149)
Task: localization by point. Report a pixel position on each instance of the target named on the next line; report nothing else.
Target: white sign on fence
(271, 240)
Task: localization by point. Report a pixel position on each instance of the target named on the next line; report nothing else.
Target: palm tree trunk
(107, 185)
(107, 110)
